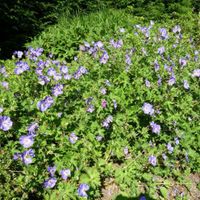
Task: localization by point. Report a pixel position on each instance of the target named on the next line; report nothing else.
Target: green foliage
(122, 148)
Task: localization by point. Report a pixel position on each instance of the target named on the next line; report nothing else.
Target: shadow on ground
(141, 197)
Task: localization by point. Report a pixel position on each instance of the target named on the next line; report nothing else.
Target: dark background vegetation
(20, 20)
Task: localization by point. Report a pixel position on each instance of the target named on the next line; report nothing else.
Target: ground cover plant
(123, 106)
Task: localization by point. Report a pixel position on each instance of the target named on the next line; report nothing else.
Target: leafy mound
(124, 107)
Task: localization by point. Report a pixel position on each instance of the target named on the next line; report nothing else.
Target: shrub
(125, 107)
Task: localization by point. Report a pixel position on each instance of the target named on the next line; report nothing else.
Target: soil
(189, 190)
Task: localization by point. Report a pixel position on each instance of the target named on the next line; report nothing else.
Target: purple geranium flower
(176, 29)
(43, 80)
(104, 58)
(196, 73)
(99, 138)
(21, 67)
(57, 77)
(51, 72)
(65, 173)
(156, 65)
(103, 103)
(57, 90)
(98, 44)
(142, 198)
(148, 109)
(51, 170)
(107, 121)
(44, 104)
(128, 59)
(17, 156)
(27, 156)
(64, 69)
(152, 160)
(50, 183)
(117, 44)
(103, 91)
(19, 54)
(172, 80)
(67, 76)
(73, 138)
(33, 54)
(90, 108)
(39, 71)
(186, 84)
(33, 128)
(155, 127)
(26, 141)
(163, 33)
(160, 81)
(170, 148)
(125, 150)
(5, 123)
(115, 104)
(82, 190)
(81, 71)
(182, 62)
(147, 83)
(176, 141)
(161, 50)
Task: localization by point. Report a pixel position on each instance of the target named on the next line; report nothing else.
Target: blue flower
(43, 80)
(57, 90)
(27, 156)
(155, 127)
(26, 141)
(81, 71)
(161, 50)
(176, 141)
(65, 173)
(103, 91)
(196, 73)
(19, 54)
(44, 104)
(142, 198)
(67, 76)
(172, 80)
(51, 170)
(147, 83)
(39, 71)
(5, 123)
(182, 62)
(82, 190)
(176, 29)
(21, 67)
(73, 138)
(170, 148)
(186, 84)
(148, 109)
(107, 121)
(152, 160)
(104, 58)
(57, 77)
(90, 108)
(64, 69)
(163, 33)
(50, 183)
(33, 128)
(51, 72)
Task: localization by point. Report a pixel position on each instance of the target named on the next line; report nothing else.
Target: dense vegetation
(99, 96)
(20, 20)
